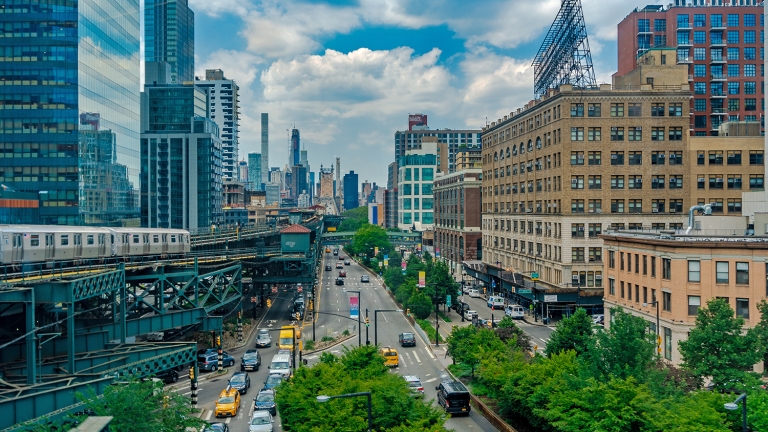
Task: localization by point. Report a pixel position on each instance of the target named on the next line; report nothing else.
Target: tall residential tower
(169, 36)
(225, 111)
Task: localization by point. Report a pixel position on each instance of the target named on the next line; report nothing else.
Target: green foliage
(420, 305)
(757, 414)
(142, 406)
(625, 349)
(309, 345)
(572, 333)
(327, 339)
(358, 370)
(354, 219)
(513, 335)
(696, 412)
(717, 347)
(368, 237)
(428, 329)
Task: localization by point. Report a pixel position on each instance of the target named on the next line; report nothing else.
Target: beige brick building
(683, 272)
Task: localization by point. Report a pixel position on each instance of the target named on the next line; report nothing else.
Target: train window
(101, 239)
(78, 239)
(173, 238)
(155, 238)
(89, 239)
(135, 238)
(64, 239)
(34, 240)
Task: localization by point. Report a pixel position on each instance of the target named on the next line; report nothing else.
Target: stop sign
(274, 289)
(299, 288)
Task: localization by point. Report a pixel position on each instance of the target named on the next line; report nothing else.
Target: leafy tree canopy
(354, 219)
(572, 333)
(368, 237)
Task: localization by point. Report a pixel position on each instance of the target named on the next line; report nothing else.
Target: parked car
(273, 380)
(414, 383)
(346, 262)
(228, 403)
(210, 362)
(240, 381)
(407, 339)
(265, 400)
(251, 360)
(168, 376)
(514, 311)
(474, 293)
(364, 278)
(461, 307)
(261, 421)
(342, 273)
(339, 281)
(263, 339)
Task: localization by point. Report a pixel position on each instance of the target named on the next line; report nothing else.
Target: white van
(496, 302)
(514, 311)
(281, 363)
(474, 293)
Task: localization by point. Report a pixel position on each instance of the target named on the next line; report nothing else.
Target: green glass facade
(69, 94)
(169, 36)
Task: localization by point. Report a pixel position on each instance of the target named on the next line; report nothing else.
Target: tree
(420, 305)
(368, 237)
(143, 405)
(623, 350)
(573, 332)
(509, 332)
(354, 219)
(717, 347)
(761, 329)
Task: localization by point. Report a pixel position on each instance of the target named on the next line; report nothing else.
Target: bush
(344, 333)
(420, 305)
(309, 345)
(328, 338)
(428, 329)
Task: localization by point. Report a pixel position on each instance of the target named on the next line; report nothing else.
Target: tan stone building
(683, 272)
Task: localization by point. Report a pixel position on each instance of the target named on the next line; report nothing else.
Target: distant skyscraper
(453, 138)
(169, 36)
(243, 172)
(295, 157)
(265, 148)
(225, 111)
(303, 161)
(84, 153)
(254, 171)
(350, 191)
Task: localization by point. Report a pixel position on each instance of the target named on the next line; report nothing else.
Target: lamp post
(658, 330)
(376, 323)
(359, 308)
(324, 398)
(735, 405)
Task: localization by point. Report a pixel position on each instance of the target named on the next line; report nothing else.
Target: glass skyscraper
(69, 91)
(169, 36)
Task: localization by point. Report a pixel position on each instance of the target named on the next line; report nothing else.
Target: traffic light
(298, 316)
(269, 303)
(367, 321)
(490, 324)
(408, 312)
(218, 340)
(192, 373)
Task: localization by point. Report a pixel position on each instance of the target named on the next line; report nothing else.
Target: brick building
(457, 226)
(721, 45)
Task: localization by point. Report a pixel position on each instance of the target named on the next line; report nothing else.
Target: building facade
(721, 44)
(451, 138)
(254, 171)
(682, 273)
(417, 173)
(351, 183)
(169, 36)
(225, 111)
(265, 148)
(295, 156)
(458, 219)
(63, 138)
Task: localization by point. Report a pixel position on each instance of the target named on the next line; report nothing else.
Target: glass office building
(69, 91)
(169, 36)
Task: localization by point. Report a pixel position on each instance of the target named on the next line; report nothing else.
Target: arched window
(495, 156)
(530, 145)
(538, 142)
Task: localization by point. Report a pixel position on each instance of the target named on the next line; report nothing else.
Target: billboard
(376, 251)
(354, 307)
(416, 120)
(422, 279)
(437, 252)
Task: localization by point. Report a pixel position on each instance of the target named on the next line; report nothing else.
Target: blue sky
(347, 73)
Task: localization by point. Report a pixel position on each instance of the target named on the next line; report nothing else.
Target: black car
(454, 397)
(265, 400)
(251, 360)
(240, 381)
(216, 427)
(407, 339)
(339, 281)
(273, 380)
(168, 376)
(328, 267)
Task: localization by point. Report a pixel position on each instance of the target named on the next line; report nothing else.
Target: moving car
(216, 427)
(263, 339)
(168, 376)
(265, 400)
(342, 273)
(454, 397)
(328, 267)
(364, 278)
(288, 337)
(339, 265)
(228, 403)
(261, 421)
(391, 359)
(470, 314)
(407, 339)
(251, 360)
(346, 262)
(339, 281)
(281, 364)
(273, 380)
(414, 383)
(210, 362)
(240, 381)
(335, 251)
(514, 311)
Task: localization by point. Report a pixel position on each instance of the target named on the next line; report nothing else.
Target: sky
(347, 73)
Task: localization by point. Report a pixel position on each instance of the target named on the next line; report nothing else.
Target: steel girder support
(149, 324)
(219, 285)
(212, 323)
(80, 289)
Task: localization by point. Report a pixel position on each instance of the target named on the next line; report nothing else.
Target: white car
(474, 293)
(466, 289)
(261, 422)
(470, 313)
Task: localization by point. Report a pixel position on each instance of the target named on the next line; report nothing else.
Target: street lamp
(735, 405)
(376, 323)
(324, 398)
(359, 309)
(658, 330)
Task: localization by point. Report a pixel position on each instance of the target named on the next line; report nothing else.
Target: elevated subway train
(28, 244)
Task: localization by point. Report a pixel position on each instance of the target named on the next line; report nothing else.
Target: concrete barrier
(491, 416)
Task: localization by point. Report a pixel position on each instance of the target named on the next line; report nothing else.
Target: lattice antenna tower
(564, 56)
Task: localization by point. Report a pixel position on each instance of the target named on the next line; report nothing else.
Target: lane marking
(209, 415)
(430, 380)
(417, 357)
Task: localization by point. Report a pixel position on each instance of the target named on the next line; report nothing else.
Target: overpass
(397, 239)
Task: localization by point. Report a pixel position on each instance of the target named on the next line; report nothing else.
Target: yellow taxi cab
(391, 359)
(228, 403)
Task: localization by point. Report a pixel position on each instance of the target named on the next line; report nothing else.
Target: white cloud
(218, 7)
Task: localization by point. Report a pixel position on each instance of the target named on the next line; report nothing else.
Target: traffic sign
(534, 276)
(299, 289)
(523, 291)
(254, 299)
(448, 301)
(274, 289)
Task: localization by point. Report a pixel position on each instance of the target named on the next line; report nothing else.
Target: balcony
(717, 60)
(717, 43)
(685, 44)
(683, 26)
(684, 60)
(718, 77)
(717, 27)
(719, 112)
(718, 94)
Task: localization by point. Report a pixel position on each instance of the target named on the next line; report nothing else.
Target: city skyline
(449, 62)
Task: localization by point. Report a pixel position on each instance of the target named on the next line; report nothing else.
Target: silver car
(261, 422)
(263, 339)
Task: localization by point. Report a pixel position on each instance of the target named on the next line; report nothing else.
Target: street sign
(274, 289)
(534, 276)
(254, 299)
(448, 301)
(299, 289)
(523, 291)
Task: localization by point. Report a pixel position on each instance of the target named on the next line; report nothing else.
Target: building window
(675, 133)
(653, 273)
(742, 273)
(666, 268)
(721, 276)
(660, 25)
(635, 158)
(675, 109)
(755, 157)
(734, 205)
(617, 182)
(577, 158)
(666, 301)
(699, 37)
(635, 206)
(617, 110)
(749, 37)
(749, 20)
(593, 134)
(595, 182)
(657, 134)
(577, 206)
(635, 109)
(612, 286)
(577, 134)
(700, 88)
(635, 134)
(733, 54)
(622, 289)
(756, 181)
(645, 265)
(594, 158)
(667, 343)
(750, 104)
(733, 20)
(742, 308)
(657, 158)
(733, 70)
(700, 105)
(617, 206)
(577, 110)
(693, 305)
(611, 259)
(577, 182)
(617, 133)
(595, 206)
